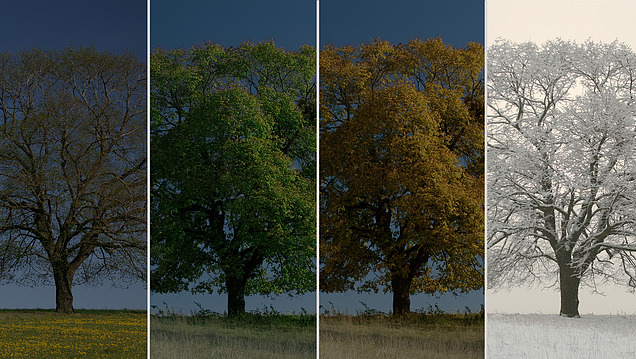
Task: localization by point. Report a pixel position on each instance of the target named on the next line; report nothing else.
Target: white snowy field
(551, 336)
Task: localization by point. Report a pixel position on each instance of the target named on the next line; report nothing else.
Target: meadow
(420, 335)
(216, 336)
(85, 334)
(551, 336)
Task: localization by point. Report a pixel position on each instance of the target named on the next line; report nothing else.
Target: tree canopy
(233, 170)
(401, 171)
(561, 156)
(72, 168)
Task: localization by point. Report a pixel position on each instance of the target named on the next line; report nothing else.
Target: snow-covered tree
(561, 165)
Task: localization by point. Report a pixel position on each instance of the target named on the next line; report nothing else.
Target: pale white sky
(536, 300)
(540, 21)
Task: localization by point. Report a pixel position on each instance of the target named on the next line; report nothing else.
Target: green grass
(86, 334)
(216, 336)
(416, 336)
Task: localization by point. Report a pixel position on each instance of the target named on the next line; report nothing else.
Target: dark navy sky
(114, 26)
(182, 24)
(291, 23)
(120, 25)
(352, 22)
(109, 25)
(186, 23)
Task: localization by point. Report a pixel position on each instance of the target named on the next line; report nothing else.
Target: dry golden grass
(87, 334)
(272, 337)
(438, 336)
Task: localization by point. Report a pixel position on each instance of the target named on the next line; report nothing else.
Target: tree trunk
(63, 290)
(401, 287)
(235, 296)
(569, 285)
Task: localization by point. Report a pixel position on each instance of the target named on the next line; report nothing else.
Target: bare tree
(72, 168)
(561, 165)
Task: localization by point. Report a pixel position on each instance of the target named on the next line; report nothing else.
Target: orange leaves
(433, 62)
(397, 196)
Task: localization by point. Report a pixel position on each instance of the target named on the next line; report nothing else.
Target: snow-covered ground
(551, 336)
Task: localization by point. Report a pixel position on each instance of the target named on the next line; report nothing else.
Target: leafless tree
(561, 165)
(72, 168)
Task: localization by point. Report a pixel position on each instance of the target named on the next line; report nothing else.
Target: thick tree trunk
(242, 267)
(235, 296)
(569, 285)
(401, 288)
(63, 291)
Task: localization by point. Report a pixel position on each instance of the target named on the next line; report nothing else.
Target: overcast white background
(540, 21)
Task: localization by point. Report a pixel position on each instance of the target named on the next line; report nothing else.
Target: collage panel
(561, 155)
(401, 166)
(233, 179)
(73, 166)
(429, 180)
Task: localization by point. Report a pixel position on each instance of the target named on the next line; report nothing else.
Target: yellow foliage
(401, 161)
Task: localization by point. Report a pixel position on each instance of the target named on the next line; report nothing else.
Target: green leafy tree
(401, 169)
(72, 168)
(233, 170)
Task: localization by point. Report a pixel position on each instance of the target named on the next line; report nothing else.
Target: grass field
(86, 334)
(551, 336)
(215, 336)
(433, 336)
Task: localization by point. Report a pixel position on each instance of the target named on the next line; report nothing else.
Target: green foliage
(233, 169)
(263, 319)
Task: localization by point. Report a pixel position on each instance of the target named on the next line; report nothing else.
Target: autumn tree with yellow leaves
(401, 169)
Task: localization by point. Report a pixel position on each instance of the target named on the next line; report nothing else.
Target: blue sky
(182, 24)
(109, 25)
(120, 25)
(114, 26)
(291, 23)
(353, 22)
